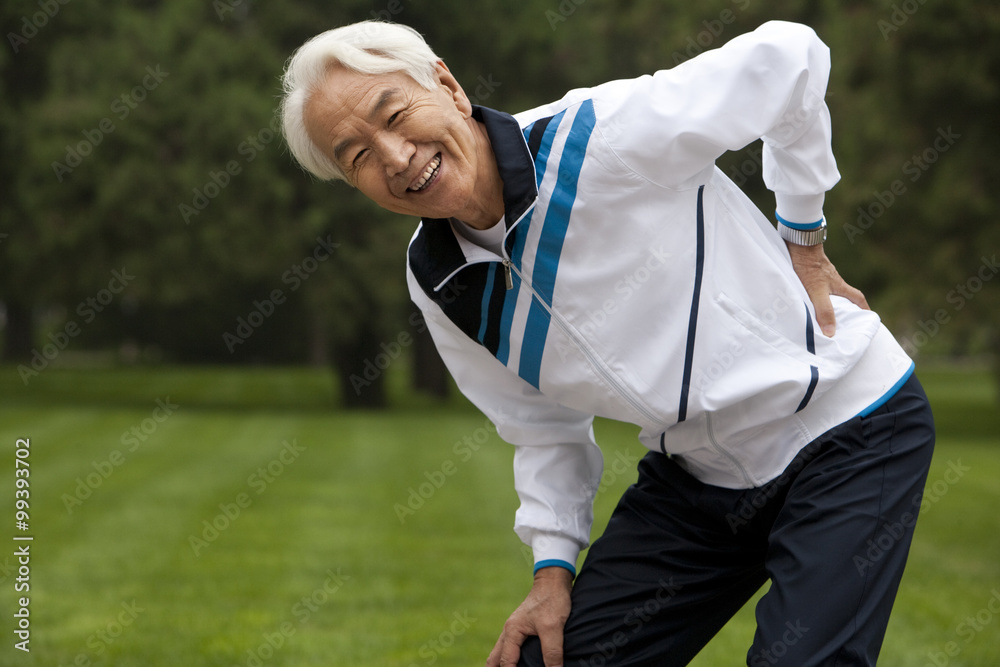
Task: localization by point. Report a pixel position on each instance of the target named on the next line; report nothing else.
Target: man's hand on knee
(543, 613)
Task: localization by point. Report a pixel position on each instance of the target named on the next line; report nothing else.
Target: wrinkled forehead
(347, 100)
(344, 92)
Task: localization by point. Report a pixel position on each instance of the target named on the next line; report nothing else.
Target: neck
(486, 209)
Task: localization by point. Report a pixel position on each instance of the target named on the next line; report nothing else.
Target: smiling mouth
(429, 173)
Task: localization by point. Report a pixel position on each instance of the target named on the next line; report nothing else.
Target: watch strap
(802, 234)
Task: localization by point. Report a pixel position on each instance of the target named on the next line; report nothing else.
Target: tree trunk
(430, 375)
(318, 354)
(19, 334)
(995, 345)
(360, 364)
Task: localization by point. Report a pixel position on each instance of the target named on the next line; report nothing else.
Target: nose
(396, 152)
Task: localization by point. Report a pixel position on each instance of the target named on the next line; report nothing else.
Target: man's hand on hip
(543, 613)
(821, 280)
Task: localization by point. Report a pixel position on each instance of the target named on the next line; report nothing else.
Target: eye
(357, 158)
(393, 118)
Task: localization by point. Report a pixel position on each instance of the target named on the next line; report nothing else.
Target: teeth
(428, 174)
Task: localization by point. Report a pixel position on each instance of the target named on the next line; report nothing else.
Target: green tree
(148, 146)
(139, 138)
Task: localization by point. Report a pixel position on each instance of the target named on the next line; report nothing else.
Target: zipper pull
(508, 278)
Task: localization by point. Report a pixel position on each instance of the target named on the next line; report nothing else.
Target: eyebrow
(383, 99)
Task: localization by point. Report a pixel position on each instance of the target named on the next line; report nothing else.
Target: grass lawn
(241, 521)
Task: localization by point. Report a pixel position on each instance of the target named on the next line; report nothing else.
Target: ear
(454, 89)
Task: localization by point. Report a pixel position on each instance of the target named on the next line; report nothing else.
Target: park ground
(207, 516)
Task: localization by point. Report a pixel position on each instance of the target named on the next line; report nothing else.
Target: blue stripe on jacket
(550, 243)
(520, 233)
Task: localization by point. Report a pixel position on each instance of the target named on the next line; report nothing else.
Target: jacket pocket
(761, 331)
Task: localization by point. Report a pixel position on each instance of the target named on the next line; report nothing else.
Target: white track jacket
(636, 282)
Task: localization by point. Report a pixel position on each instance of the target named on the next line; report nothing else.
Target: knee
(531, 653)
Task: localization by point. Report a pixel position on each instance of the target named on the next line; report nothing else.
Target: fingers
(552, 647)
(494, 658)
(543, 613)
(824, 307)
(821, 280)
(825, 316)
(507, 650)
(855, 296)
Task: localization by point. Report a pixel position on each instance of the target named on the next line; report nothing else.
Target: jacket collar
(517, 169)
(437, 252)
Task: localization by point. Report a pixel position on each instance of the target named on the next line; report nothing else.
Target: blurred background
(139, 137)
(157, 242)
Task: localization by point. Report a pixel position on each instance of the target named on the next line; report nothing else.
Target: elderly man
(586, 258)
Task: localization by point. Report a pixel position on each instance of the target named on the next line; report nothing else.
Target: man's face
(411, 150)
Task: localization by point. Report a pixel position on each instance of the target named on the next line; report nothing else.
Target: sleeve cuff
(550, 549)
(799, 209)
(555, 563)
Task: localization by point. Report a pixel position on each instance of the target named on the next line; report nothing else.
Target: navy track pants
(832, 532)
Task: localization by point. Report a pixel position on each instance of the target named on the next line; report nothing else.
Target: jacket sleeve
(557, 464)
(769, 84)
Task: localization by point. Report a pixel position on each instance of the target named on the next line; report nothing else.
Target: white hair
(368, 47)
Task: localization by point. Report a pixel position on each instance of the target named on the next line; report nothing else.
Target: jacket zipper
(592, 358)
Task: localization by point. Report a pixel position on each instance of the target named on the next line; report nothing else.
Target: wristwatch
(812, 234)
